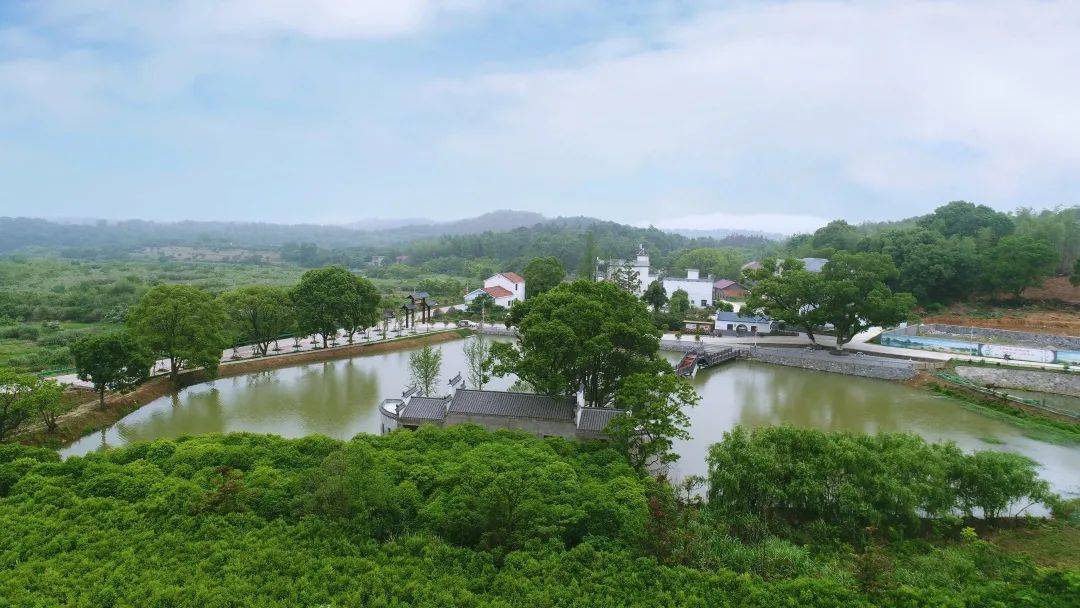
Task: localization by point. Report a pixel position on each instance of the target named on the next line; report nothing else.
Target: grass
(1036, 427)
(991, 440)
(1052, 543)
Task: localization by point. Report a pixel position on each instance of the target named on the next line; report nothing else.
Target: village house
(726, 289)
(505, 288)
(735, 323)
(698, 288)
(539, 415)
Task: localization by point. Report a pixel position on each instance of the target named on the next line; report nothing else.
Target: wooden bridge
(706, 357)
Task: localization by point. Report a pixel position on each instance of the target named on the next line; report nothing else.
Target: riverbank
(88, 417)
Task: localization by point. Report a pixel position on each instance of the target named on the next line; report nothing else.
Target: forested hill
(18, 233)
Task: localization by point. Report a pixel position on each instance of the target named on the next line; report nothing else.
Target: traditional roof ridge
(498, 291)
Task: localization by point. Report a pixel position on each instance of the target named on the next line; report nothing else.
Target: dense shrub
(455, 517)
(850, 485)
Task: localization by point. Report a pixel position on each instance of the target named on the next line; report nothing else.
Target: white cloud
(893, 99)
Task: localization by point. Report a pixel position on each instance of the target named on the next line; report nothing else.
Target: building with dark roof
(541, 415)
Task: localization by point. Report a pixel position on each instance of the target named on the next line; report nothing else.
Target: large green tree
(961, 218)
(183, 324)
(786, 292)
(679, 304)
(655, 295)
(1015, 263)
(935, 269)
(111, 362)
(331, 298)
(854, 296)
(580, 335)
(258, 314)
(542, 274)
(656, 417)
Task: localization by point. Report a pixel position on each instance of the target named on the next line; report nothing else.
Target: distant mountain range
(92, 235)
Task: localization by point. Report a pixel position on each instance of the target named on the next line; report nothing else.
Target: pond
(341, 398)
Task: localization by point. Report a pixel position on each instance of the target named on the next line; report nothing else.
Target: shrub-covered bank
(452, 517)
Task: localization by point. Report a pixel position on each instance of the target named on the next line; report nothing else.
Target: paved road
(287, 346)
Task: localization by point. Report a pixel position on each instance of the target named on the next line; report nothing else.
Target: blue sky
(770, 115)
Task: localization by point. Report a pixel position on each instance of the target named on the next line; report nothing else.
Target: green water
(340, 399)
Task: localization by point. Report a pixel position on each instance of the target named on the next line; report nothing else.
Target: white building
(734, 322)
(699, 290)
(505, 288)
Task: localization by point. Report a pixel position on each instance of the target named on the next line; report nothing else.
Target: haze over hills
(23, 233)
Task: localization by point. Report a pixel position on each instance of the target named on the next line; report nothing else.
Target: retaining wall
(1032, 380)
(823, 361)
(989, 334)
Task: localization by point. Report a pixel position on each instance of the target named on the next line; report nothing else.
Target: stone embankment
(853, 364)
(1059, 383)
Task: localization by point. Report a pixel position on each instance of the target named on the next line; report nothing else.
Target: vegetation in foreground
(464, 517)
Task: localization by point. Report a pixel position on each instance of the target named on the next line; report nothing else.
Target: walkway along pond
(341, 398)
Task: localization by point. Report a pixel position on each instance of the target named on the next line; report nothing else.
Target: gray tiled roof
(596, 418)
(522, 405)
(737, 318)
(424, 408)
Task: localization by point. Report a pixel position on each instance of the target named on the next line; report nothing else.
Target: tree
(710, 261)
(46, 399)
(680, 303)
(424, 368)
(183, 324)
(961, 218)
(111, 362)
(1015, 263)
(587, 266)
(542, 274)
(837, 235)
(655, 295)
(580, 335)
(626, 278)
(656, 404)
(854, 296)
(478, 361)
(17, 403)
(1074, 278)
(483, 304)
(330, 298)
(362, 311)
(935, 269)
(787, 292)
(258, 314)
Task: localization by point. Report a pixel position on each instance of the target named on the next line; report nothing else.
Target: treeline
(473, 255)
(960, 250)
(464, 517)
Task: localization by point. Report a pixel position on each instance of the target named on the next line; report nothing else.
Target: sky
(771, 115)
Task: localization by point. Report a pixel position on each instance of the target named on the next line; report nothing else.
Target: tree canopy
(259, 314)
(655, 295)
(183, 324)
(112, 361)
(331, 298)
(542, 274)
(580, 335)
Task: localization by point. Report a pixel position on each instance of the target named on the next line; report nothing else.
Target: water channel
(340, 399)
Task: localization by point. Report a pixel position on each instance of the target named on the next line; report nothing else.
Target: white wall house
(733, 321)
(699, 289)
(505, 288)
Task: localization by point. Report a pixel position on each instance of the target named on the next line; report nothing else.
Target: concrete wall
(540, 428)
(984, 334)
(854, 365)
(1047, 382)
(697, 290)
